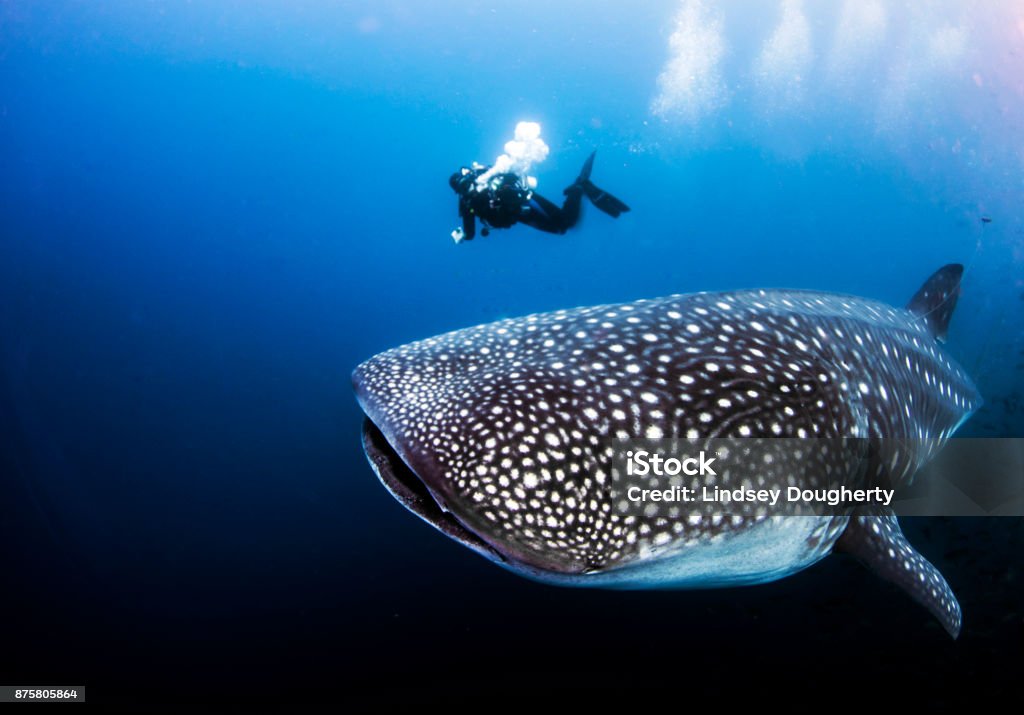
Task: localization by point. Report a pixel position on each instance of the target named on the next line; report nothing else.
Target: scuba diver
(504, 199)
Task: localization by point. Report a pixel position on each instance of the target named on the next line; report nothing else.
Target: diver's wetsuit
(506, 200)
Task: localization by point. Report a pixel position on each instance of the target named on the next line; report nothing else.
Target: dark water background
(210, 214)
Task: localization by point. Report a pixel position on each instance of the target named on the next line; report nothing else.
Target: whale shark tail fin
(873, 536)
(936, 299)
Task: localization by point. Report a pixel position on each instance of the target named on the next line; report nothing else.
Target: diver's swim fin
(588, 166)
(603, 200)
(600, 198)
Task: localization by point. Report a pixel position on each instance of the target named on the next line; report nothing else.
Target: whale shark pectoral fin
(935, 301)
(873, 536)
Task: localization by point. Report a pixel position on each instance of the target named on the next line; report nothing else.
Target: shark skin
(499, 435)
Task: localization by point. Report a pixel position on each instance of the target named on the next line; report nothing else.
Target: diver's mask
(462, 181)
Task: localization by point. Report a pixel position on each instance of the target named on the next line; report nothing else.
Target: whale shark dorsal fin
(936, 299)
(873, 536)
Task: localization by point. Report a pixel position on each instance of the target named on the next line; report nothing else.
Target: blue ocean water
(210, 213)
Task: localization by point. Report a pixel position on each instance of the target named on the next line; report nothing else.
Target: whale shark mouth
(405, 486)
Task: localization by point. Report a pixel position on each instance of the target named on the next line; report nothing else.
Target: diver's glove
(458, 234)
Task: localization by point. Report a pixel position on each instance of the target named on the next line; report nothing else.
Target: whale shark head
(500, 435)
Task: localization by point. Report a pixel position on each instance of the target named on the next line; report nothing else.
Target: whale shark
(500, 435)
